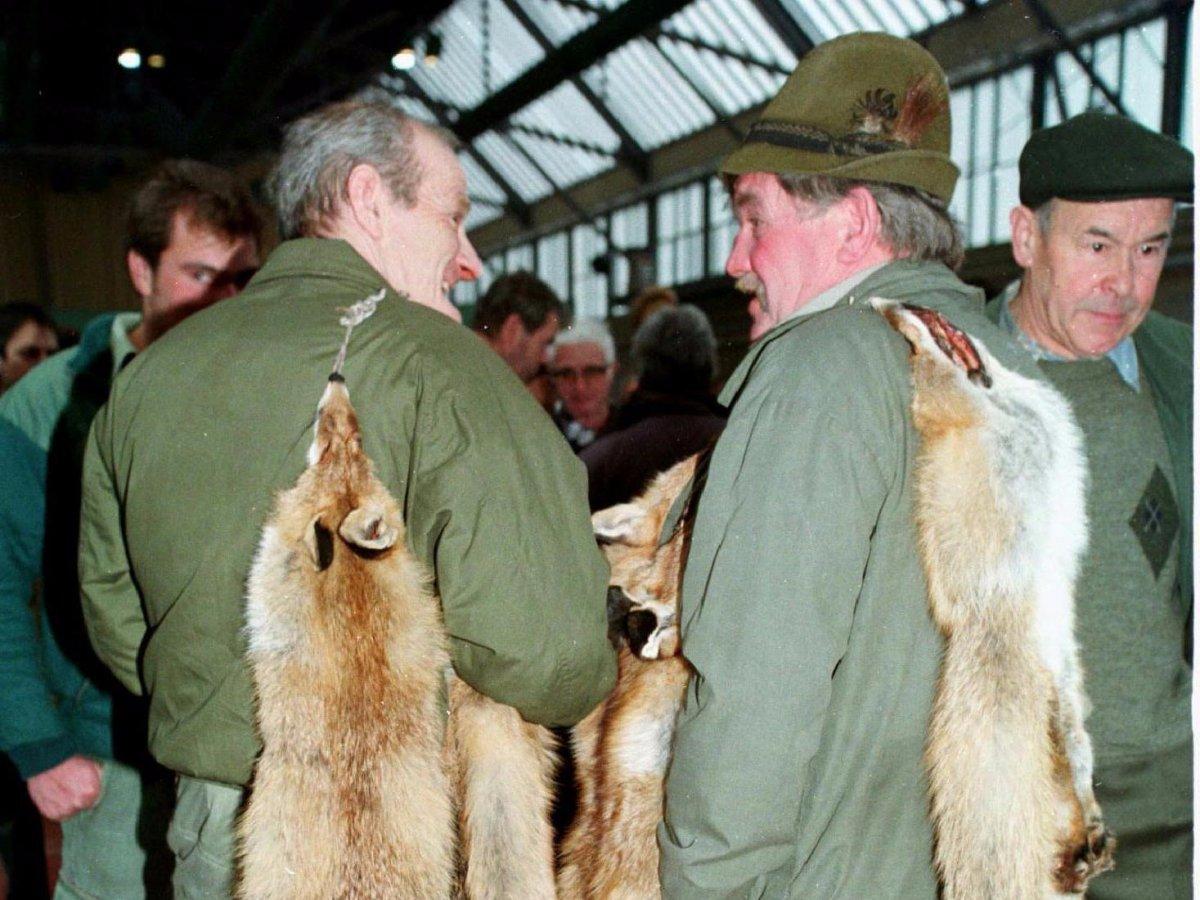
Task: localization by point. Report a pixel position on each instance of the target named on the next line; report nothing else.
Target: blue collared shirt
(1123, 355)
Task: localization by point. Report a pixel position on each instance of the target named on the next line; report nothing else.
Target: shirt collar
(828, 298)
(118, 338)
(1123, 355)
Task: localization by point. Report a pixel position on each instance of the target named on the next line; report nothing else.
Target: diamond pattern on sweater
(1155, 521)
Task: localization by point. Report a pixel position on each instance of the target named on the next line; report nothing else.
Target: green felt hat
(1098, 157)
(870, 107)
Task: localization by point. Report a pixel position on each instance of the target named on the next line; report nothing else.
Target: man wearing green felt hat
(797, 768)
(1098, 196)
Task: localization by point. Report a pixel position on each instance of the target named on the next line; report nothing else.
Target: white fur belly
(645, 744)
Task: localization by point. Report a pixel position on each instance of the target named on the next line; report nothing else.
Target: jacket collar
(881, 282)
(322, 258)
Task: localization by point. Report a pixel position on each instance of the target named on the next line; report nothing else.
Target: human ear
(861, 226)
(1025, 234)
(365, 192)
(510, 332)
(141, 273)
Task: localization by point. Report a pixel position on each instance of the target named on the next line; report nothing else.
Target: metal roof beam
(282, 33)
(564, 140)
(514, 204)
(724, 52)
(573, 58)
(1049, 24)
(631, 153)
(584, 217)
(785, 26)
(721, 118)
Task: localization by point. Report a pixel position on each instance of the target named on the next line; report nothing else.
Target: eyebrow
(743, 199)
(1108, 235)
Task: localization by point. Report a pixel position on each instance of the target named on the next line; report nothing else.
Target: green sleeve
(499, 505)
(111, 605)
(782, 540)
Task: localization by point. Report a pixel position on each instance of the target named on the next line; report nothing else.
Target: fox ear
(619, 524)
(318, 541)
(367, 527)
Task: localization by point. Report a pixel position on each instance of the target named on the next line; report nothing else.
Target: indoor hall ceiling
(231, 72)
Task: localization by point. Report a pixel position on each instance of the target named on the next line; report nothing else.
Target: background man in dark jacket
(671, 413)
(1097, 205)
(74, 733)
(203, 430)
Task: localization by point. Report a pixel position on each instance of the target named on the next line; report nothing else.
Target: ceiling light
(433, 49)
(129, 58)
(156, 60)
(405, 59)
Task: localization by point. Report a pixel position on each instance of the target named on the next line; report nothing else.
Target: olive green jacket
(797, 769)
(206, 426)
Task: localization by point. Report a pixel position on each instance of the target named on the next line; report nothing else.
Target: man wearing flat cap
(1098, 196)
(797, 768)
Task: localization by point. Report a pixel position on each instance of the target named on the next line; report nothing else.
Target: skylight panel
(520, 174)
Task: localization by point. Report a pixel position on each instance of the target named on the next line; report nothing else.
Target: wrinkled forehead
(754, 188)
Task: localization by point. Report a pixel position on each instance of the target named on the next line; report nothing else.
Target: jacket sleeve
(32, 731)
(778, 581)
(499, 504)
(111, 605)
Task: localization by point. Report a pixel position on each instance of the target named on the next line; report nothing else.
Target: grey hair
(675, 350)
(588, 331)
(320, 150)
(915, 224)
(1045, 214)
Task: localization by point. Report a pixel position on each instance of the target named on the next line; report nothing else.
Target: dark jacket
(648, 435)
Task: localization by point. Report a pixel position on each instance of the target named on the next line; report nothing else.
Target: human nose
(738, 263)
(469, 264)
(1121, 275)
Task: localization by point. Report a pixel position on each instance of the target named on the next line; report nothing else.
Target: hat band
(816, 140)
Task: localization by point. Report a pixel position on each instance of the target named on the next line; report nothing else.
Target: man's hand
(71, 786)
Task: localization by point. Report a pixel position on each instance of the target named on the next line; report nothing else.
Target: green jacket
(797, 769)
(205, 427)
(1164, 349)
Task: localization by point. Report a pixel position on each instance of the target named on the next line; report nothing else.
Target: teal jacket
(56, 700)
(797, 769)
(210, 422)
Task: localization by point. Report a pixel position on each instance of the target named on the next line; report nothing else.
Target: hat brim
(927, 170)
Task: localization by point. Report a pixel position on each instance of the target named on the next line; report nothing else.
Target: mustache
(748, 284)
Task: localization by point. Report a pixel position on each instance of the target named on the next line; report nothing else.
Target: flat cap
(1097, 157)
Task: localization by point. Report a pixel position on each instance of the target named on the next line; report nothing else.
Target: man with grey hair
(671, 412)
(1091, 233)
(583, 361)
(372, 204)
(798, 757)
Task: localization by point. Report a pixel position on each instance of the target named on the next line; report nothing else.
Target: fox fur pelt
(1000, 481)
(361, 790)
(622, 747)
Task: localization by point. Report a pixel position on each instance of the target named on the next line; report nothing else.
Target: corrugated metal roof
(465, 74)
(825, 19)
(646, 95)
(521, 175)
(565, 112)
(558, 21)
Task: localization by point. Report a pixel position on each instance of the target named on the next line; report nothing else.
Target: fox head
(338, 490)
(643, 592)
